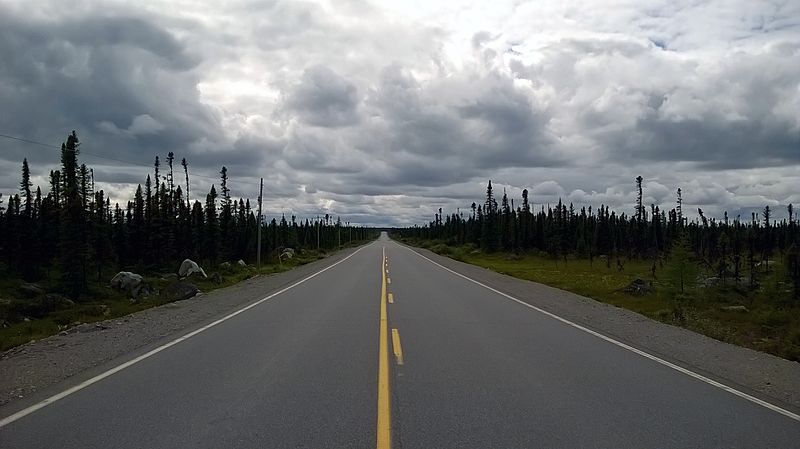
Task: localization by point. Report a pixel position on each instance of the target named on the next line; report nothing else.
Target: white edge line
(44, 403)
(644, 354)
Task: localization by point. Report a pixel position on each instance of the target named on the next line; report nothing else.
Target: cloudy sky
(384, 112)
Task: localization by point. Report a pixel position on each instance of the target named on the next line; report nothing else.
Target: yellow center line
(391, 298)
(384, 430)
(398, 350)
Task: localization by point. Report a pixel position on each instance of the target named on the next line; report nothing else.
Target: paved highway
(387, 349)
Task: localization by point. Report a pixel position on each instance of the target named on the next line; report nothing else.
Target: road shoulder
(34, 371)
(762, 375)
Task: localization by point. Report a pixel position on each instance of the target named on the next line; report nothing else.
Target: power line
(29, 141)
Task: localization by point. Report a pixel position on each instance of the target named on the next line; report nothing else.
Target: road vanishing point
(387, 348)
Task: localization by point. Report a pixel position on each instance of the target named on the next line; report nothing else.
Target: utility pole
(319, 225)
(258, 251)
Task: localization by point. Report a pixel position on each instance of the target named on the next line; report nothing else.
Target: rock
(241, 263)
(131, 283)
(287, 253)
(29, 290)
(56, 300)
(189, 267)
(225, 265)
(216, 278)
(638, 287)
(712, 281)
(734, 309)
(181, 290)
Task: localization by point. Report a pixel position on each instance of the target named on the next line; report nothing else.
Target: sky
(383, 112)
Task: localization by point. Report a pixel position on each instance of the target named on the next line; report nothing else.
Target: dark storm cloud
(421, 134)
(444, 131)
(323, 98)
(513, 129)
(127, 86)
(716, 144)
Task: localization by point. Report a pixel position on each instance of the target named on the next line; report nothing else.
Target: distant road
(388, 349)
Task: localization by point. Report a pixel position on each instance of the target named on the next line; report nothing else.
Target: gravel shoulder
(34, 371)
(759, 374)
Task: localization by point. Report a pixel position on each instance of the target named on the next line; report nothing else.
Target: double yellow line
(384, 402)
(384, 405)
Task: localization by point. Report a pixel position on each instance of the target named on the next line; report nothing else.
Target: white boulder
(126, 281)
(287, 253)
(241, 263)
(189, 267)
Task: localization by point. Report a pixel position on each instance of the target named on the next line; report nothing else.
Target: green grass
(103, 303)
(772, 323)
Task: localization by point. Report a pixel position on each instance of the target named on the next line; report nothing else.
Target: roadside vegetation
(61, 247)
(734, 280)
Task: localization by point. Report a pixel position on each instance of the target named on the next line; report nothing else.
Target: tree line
(74, 234)
(728, 248)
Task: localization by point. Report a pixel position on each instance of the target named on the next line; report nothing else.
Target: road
(387, 349)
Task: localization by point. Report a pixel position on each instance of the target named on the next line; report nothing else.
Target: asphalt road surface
(387, 349)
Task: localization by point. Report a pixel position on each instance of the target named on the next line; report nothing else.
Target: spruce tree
(55, 186)
(489, 227)
(197, 229)
(170, 175)
(25, 190)
(71, 243)
(24, 244)
(186, 174)
(138, 231)
(100, 239)
(156, 167)
(766, 245)
(211, 231)
(85, 186)
(639, 205)
(226, 214)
